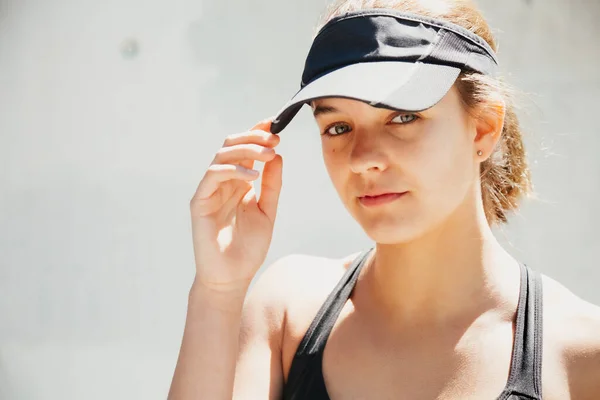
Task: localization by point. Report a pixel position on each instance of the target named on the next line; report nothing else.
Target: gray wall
(102, 146)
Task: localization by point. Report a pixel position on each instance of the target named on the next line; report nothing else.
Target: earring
(479, 153)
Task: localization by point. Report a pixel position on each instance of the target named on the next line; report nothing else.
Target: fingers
(243, 153)
(235, 160)
(265, 124)
(219, 173)
(254, 136)
(271, 187)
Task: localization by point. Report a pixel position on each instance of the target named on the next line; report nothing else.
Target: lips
(379, 199)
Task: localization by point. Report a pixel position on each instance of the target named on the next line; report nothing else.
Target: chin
(388, 229)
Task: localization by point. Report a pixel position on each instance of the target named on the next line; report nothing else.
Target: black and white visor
(389, 59)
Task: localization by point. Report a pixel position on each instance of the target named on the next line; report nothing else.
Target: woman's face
(428, 159)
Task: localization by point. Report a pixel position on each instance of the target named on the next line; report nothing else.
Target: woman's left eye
(404, 118)
(337, 129)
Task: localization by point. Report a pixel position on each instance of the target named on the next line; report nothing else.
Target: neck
(457, 271)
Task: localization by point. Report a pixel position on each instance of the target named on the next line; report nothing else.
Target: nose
(367, 153)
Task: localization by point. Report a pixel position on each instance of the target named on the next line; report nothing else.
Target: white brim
(402, 86)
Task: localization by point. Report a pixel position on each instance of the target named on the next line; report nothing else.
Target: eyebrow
(320, 110)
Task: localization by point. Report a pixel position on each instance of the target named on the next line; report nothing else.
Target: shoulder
(572, 326)
(278, 301)
(290, 288)
(296, 275)
(289, 293)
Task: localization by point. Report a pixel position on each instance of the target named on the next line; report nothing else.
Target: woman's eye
(337, 129)
(341, 128)
(404, 118)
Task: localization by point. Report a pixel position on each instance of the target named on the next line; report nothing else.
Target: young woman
(424, 149)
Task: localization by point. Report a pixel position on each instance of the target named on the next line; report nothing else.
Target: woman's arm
(259, 371)
(582, 358)
(231, 232)
(231, 346)
(206, 364)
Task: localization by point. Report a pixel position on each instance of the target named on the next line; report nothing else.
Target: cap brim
(403, 86)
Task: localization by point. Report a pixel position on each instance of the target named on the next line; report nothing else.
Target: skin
(433, 311)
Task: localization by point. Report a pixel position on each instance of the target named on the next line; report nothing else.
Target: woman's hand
(231, 229)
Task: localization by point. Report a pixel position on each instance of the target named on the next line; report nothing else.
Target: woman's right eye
(337, 129)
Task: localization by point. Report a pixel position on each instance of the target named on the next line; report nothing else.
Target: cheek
(445, 163)
(334, 163)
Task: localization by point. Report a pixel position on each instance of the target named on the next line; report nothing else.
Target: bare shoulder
(572, 328)
(278, 302)
(291, 290)
(296, 277)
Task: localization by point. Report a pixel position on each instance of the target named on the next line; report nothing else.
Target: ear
(489, 125)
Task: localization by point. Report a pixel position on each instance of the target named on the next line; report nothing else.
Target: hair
(505, 175)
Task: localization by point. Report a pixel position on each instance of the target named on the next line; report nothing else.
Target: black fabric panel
(394, 36)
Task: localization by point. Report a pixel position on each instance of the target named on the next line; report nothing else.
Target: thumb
(271, 187)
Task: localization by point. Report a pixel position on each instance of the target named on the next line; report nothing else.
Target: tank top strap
(525, 376)
(316, 336)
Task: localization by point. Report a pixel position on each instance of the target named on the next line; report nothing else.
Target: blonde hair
(505, 175)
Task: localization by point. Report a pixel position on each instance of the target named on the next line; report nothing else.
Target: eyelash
(326, 130)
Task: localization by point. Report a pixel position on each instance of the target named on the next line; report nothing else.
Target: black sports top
(305, 380)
